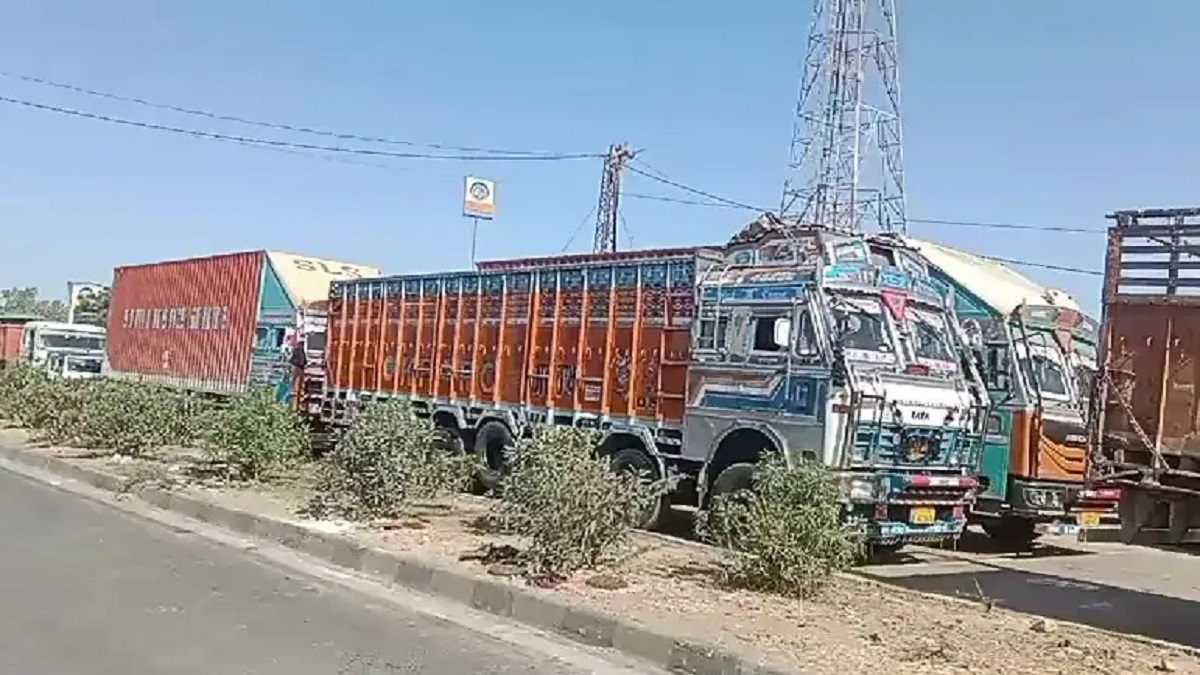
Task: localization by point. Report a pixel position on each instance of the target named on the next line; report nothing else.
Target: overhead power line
(713, 200)
(1006, 226)
(196, 133)
(279, 126)
(687, 188)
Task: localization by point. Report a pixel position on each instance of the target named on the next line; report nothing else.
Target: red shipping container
(186, 323)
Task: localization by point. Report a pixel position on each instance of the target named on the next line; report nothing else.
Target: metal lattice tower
(847, 166)
(607, 212)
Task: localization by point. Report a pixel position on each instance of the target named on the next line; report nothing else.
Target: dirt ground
(856, 628)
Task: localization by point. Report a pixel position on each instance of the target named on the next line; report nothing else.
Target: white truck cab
(68, 350)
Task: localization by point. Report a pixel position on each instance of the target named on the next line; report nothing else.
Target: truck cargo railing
(1145, 421)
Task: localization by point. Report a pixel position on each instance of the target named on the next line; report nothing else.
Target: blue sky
(1026, 111)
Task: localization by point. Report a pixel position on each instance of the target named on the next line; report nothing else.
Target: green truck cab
(1036, 350)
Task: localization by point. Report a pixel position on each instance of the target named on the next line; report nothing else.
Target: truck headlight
(860, 489)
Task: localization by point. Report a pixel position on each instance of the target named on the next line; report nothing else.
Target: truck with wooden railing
(694, 363)
(1145, 426)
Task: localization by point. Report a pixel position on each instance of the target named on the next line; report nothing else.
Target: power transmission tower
(847, 165)
(607, 214)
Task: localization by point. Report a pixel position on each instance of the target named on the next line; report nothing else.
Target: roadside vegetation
(559, 509)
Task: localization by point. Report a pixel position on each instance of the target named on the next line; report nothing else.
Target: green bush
(787, 535)
(16, 380)
(254, 435)
(132, 418)
(125, 417)
(574, 510)
(31, 398)
(388, 459)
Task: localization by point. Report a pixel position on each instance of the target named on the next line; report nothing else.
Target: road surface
(86, 589)
(1129, 589)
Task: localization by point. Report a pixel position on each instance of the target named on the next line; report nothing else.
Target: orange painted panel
(608, 338)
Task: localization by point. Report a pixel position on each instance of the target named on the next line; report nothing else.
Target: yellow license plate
(923, 515)
(1089, 519)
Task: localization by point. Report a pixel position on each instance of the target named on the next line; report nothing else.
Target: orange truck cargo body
(190, 323)
(10, 342)
(525, 335)
(1146, 427)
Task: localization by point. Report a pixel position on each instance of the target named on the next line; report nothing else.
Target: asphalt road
(86, 589)
(1128, 589)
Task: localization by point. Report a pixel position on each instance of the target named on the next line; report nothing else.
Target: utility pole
(847, 165)
(607, 213)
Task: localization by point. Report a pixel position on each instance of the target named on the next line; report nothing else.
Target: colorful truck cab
(1037, 352)
(694, 363)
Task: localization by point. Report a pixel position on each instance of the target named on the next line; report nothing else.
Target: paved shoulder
(87, 589)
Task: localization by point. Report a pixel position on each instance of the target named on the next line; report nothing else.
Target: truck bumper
(1068, 509)
(914, 508)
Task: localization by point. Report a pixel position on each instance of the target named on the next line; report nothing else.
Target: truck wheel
(449, 440)
(1009, 531)
(491, 441)
(734, 478)
(639, 463)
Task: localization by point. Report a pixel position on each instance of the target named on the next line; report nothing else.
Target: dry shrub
(255, 435)
(388, 459)
(787, 535)
(573, 509)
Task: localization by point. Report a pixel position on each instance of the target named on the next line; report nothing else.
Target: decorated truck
(1036, 350)
(693, 363)
(225, 323)
(1145, 430)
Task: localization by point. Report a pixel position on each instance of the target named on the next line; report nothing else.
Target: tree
(18, 300)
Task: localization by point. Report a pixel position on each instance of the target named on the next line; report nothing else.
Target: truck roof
(74, 327)
(995, 283)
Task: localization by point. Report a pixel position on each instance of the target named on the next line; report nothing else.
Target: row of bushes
(563, 501)
(248, 435)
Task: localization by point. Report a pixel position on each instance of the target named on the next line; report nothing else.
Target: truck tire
(637, 461)
(734, 478)
(449, 439)
(490, 442)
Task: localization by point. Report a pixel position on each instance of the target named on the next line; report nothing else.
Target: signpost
(479, 203)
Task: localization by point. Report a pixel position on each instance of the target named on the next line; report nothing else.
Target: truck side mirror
(782, 335)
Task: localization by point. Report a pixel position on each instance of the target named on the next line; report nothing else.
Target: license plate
(923, 515)
(1089, 519)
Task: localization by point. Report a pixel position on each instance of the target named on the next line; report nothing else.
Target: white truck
(68, 350)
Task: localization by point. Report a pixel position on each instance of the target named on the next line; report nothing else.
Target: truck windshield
(930, 336)
(1044, 362)
(862, 330)
(72, 341)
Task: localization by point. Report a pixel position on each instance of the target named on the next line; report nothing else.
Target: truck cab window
(315, 342)
(767, 331)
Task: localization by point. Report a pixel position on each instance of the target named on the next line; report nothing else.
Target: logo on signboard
(328, 267)
(479, 198)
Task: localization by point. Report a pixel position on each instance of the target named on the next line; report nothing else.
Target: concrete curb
(534, 607)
